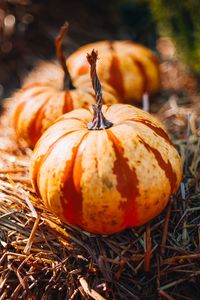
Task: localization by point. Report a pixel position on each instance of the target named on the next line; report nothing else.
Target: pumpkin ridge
(71, 186)
(43, 89)
(35, 126)
(158, 130)
(41, 159)
(62, 118)
(18, 111)
(32, 85)
(126, 174)
(166, 167)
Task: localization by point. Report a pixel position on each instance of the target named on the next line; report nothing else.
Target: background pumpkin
(48, 93)
(106, 180)
(131, 69)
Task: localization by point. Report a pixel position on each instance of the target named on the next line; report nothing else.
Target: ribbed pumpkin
(131, 69)
(106, 171)
(39, 104)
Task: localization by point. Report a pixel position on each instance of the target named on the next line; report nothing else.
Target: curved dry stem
(61, 57)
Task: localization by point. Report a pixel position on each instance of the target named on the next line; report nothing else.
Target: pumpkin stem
(61, 57)
(99, 121)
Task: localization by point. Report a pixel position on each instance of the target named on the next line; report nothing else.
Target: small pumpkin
(40, 103)
(131, 69)
(106, 171)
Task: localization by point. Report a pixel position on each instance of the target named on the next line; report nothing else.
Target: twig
(147, 255)
(29, 203)
(90, 292)
(32, 235)
(165, 295)
(145, 102)
(166, 226)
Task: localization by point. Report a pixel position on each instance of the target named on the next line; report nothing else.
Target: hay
(42, 258)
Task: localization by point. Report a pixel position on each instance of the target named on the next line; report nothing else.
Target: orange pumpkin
(131, 69)
(40, 103)
(106, 172)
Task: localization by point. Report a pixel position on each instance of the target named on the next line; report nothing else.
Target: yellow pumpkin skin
(104, 181)
(39, 104)
(131, 69)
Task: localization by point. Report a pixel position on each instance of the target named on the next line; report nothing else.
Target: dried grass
(42, 258)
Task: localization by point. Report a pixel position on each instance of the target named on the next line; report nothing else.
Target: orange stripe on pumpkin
(153, 59)
(37, 92)
(64, 117)
(83, 70)
(148, 53)
(18, 111)
(32, 85)
(68, 104)
(144, 75)
(72, 206)
(158, 130)
(116, 79)
(35, 127)
(127, 182)
(166, 167)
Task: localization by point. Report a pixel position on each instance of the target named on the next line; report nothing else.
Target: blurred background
(28, 29)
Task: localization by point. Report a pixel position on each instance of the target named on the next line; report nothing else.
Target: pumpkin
(40, 103)
(131, 69)
(107, 168)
